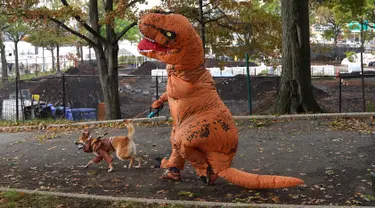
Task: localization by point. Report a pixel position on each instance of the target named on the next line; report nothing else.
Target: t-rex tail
(255, 181)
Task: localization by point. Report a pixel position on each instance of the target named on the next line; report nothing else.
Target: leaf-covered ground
(335, 158)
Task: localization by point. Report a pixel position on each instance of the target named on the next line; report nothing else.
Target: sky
(151, 3)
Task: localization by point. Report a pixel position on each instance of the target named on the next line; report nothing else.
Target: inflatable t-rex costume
(204, 132)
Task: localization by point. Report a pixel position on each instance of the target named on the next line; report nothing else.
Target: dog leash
(105, 134)
(154, 111)
(139, 114)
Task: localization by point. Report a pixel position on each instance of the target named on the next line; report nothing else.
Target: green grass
(14, 199)
(31, 76)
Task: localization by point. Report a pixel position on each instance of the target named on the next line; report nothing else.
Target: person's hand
(157, 104)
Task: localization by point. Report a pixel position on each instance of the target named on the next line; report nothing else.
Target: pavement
(335, 165)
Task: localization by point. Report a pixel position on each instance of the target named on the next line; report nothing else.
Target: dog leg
(131, 162)
(110, 167)
(139, 160)
(88, 164)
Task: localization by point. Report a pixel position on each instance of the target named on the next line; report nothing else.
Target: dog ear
(86, 132)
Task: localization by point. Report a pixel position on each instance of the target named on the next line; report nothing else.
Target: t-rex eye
(169, 34)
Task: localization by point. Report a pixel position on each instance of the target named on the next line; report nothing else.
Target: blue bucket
(84, 114)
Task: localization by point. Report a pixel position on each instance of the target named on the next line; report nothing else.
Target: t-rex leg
(199, 161)
(175, 160)
(175, 163)
(196, 158)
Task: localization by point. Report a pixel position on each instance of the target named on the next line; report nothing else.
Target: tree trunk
(296, 94)
(335, 36)
(108, 71)
(202, 26)
(58, 58)
(81, 52)
(112, 82)
(89, 55)
(53, 59)
(106, 56)
(16, 59)
(4, 65)
(78, 52)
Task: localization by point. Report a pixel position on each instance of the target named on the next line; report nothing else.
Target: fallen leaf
(52, 148)
(275, 199)
(162, 192)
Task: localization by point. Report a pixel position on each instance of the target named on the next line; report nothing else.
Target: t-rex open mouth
(148, 45)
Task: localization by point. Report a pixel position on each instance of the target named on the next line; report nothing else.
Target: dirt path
(335, 165)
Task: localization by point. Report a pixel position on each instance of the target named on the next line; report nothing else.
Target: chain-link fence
(79, 96)
(8, 101)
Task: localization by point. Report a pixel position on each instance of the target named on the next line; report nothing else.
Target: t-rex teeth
(150, 39)
(143, 36)
(144, 51)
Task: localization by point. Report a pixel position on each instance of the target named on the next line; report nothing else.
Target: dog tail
(131, 130)
(255, 181)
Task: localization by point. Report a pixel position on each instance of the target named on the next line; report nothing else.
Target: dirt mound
(265, 106)
(261, 88)
(146, 67)
(322, 58)
(50, 90)
(236, 88)
(81, 92)
(319, 93)
(82, 69)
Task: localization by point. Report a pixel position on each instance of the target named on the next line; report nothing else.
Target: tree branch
(85, 25)
(224, 26)
(5, 27)
(197, 19)
(209, 11)
(214, 20)
(368, 25)
(61, 24)
(131, 3)
(204, 5)
(124, 31)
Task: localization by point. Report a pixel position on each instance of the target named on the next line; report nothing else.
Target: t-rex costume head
(204, 132)
(171, 39)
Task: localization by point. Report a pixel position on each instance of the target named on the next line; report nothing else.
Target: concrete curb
(236, 118)
(307, 116)
(165, 201)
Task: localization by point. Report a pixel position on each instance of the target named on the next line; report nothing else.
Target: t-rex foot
(172, 174)
(210, 178)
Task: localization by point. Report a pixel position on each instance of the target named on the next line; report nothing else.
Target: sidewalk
(335, 165)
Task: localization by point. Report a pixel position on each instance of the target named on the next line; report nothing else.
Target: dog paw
(138, 166)
(86, 166)
(110, 170)
(125, 166)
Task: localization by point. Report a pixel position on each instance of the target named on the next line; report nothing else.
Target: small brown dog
(124, 147)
